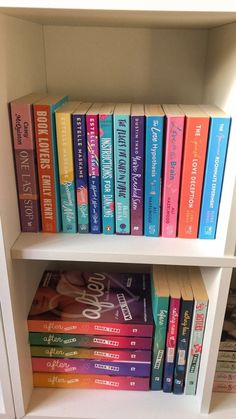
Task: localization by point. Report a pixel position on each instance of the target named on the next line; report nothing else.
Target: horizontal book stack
(179, 302)
(225, 376)
(91, 330)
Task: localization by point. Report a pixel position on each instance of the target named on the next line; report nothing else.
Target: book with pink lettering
(92, 304)
(172, 169)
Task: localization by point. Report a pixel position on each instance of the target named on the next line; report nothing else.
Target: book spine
(137, 174)
(171, 342)
(88, 341)
(195, 144)
(90, 381)
(225, 376)
(172, 171)
(88, 366)
(214, 173)
(182, 346)
(223, 387)
(122, 173)
(153, 167)
(26, 167)
(159, 342)
(81, 171)
(228, 345)
(107, 173)
(98, 354)
(226, 356)
(195, 346)
(226, 366)
(93, 174)
(66, 172)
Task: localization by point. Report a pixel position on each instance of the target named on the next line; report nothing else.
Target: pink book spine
(172, 172)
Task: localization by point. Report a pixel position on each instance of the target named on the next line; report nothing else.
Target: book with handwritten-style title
(92, 303)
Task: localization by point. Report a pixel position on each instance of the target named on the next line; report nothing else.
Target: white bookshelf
(168, 52)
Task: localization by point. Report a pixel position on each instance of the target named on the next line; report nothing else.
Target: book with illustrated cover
(92, 303)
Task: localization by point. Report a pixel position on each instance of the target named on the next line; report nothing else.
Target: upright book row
(127, 169)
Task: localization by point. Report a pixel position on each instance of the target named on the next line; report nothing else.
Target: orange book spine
(195, 145)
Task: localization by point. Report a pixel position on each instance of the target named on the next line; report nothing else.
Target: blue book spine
(81, 171)
(107, 173)
(214, 173)
(153, 167)
(122, 172)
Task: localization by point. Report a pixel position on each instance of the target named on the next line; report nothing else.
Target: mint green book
(160, 307)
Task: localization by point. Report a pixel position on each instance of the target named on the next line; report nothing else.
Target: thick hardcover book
(160, 307)
(92, 126)
(91, 366)
(98, 354)
(223, 387)
(90, 341)
(112, 382)
(174, 131)
(66, 166)
(106, 143)
(25, 161)
(153, 168)
(185, 321)
(92, 303)
(226, 366)
(226, 356)
(194, 154)
(214, 171)
(122, 167)
(81, 165)
(46, 145)
(172, 327)
(197, 331)
(137, 129)
(225, 376)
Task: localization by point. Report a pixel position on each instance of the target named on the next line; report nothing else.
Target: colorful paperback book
(112, 382)
(90, 341)
(172, 327)
(122, 167)
(66, 166)
(98, 354)
(137, 130)
(194, 154)
(223, 387)
(226, 366)
(228, 336)
(25, 161)
(174, 131)
(214, 171)
(185, 321)
(47, 157)
(226, 356)
(81, 165)
(225, 376)
(160, 307)
(197, 331)
(106, 143)
(153, 168)
(92, 126)
(92, 303)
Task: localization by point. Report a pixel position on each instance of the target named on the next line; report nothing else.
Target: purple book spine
(136, 175)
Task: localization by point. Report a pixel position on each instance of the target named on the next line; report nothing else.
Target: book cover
(122, 167)
(194, 154)
(160, 307)
(223, 387)
(88, 353)
(172, 327)
(226, 356)
(225, 376)
(174, 131)
(90, 341)
(81, 165)
(185, 321)
(54, 380)
(106, 143)
(46, 146)
(197, 331)
(66, 166)
(137, 129)
(92, 126)
(153, 168)
(24, 147)
(91, 366)
(214, 171)
(92, 303)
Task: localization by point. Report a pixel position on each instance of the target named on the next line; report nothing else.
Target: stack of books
(91, 330)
